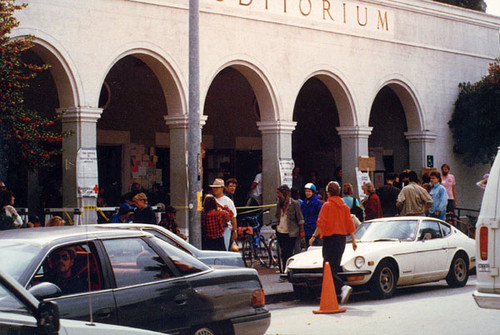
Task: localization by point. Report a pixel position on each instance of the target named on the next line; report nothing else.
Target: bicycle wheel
(275, 251)
(247, 252)
(262, 254)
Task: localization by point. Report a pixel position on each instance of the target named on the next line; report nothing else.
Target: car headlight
(359, 261)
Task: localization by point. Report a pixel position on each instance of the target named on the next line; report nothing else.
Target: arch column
(354, 144)
(178, 126)
(419, 147)
(82, 123)
(276, 145)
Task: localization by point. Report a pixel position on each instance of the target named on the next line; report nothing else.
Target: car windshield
(400, 230)
(15, 257)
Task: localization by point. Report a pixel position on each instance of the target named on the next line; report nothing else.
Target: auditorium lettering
(351, 14)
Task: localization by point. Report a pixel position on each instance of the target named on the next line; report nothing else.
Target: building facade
(321, 82)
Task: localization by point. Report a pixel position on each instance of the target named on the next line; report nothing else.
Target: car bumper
(314, 277)
(252, 325)
(487, 300)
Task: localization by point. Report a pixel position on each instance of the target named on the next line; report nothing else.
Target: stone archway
(252, 106)
(50, 91)
(337, 128)
(399, 126)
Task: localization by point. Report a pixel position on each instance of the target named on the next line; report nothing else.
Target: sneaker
(345, 294)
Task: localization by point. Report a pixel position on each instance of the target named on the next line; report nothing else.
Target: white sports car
(391, 252)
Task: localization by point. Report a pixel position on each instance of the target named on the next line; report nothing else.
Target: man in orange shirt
(334, 223)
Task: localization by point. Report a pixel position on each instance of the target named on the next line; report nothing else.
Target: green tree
(26, 138)
(470, 4)
(475, 122)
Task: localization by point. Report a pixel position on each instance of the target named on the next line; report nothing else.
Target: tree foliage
(475, 123)
(470, 4)
(26, 138)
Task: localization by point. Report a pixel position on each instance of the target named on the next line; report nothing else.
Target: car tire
(383, 282)
(458, 275)
(206, 331)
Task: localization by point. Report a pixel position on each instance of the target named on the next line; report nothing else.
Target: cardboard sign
(366, 163)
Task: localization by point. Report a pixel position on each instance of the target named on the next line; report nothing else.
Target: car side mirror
(47, 318)
(45, 290)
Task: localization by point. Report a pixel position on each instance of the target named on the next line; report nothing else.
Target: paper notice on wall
(86, 173)
(362, 178)
(286, 169)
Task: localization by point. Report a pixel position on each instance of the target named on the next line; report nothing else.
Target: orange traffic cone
(328, 303)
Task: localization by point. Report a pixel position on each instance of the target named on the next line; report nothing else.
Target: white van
(487, 294)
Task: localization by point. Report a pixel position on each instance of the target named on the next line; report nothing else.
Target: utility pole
(194, 128)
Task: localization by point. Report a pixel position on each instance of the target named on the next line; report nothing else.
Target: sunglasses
(57, 257)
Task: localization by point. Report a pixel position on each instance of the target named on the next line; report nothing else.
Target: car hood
(313, 257)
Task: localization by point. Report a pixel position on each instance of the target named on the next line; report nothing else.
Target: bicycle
(254, 247)
(274, 249)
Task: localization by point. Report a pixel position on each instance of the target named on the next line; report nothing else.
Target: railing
(465, 220)
(75, 215)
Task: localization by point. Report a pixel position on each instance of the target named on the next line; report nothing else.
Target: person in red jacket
(371, 204)
(214, 220)
(334, 223)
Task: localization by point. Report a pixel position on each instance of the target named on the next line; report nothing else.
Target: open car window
(74, 268)
(429, 230)
(135, 262)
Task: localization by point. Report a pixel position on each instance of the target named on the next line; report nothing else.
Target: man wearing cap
(218, 191)
(310, 208)
(123, 215)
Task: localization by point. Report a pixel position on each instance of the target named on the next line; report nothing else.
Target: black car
(22, 313)
(132, 278)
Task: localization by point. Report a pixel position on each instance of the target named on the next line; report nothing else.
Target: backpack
(358, 211)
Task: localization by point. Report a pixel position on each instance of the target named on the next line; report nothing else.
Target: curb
(275, 298)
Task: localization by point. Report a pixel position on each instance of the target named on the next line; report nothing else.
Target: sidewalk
(275, 290)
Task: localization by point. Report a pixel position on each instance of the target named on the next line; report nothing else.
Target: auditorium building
(316, 82)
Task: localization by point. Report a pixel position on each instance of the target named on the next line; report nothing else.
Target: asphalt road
(424, 309)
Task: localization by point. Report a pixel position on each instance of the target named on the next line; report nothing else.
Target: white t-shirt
(226, 201)
(257, 191)
(18, 222)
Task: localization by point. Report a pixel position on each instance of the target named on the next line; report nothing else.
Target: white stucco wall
(426, 47)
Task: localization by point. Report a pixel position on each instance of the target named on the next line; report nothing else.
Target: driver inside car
(62, 261)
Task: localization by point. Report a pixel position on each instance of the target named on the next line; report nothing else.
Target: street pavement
(275, 290)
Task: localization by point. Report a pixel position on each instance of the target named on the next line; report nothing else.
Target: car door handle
(180, 299)
(104, 313)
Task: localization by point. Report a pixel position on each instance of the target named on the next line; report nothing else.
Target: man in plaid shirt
(213, 221)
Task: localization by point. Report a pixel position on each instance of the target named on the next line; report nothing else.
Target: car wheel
(383, 282)
(247, 252)
(459, 271)
(212, 330)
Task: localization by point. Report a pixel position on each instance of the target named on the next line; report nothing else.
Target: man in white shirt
(218, 191)
(255, 194)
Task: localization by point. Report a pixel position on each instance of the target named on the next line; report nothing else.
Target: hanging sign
(86, 173)
(362, 178)
(286, 169)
